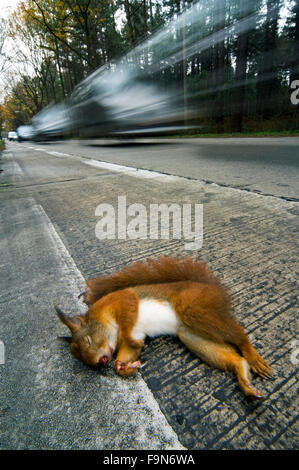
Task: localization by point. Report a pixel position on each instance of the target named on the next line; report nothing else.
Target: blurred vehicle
(25, 133)
(53, 122)
(12, 135)
(187, 74)
(117, 101)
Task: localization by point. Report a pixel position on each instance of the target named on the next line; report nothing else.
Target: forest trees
(240, 82)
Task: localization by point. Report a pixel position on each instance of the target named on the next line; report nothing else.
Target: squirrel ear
(73, 323)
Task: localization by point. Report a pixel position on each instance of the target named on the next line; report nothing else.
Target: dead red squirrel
(167, 296)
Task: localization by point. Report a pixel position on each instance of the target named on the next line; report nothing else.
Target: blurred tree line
(239, 83)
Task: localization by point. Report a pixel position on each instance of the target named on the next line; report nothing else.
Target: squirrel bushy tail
(152, 271)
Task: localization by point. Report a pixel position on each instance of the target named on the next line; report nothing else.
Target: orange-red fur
(201, 304)
(162, 270)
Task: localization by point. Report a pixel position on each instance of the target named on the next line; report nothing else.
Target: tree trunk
(240, 74)
(295, 67)
(130, 22)
(59, 70)
(267, 82)
(220, 70)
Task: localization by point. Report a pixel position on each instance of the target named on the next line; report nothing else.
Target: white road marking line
(50, 152)
(128, 170)
(59, 154)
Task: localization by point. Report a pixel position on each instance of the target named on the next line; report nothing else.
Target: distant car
(25, 133)
(12, 135)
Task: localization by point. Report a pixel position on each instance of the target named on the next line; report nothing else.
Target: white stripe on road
(52, 152)
(128, 170)
(78, 407)
(58, 154)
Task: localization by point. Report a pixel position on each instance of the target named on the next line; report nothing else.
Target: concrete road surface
(49, 196)
(267, 166)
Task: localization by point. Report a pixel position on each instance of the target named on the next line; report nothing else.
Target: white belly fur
(155, 318)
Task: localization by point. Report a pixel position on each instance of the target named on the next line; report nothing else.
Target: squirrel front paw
(128, 368)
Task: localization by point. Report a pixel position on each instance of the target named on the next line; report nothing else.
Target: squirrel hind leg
(223, 356)
(257, 364)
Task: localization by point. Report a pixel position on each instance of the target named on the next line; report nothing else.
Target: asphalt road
(268, 166)
(49, 195)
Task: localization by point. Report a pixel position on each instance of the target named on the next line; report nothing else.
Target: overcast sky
(7, 6)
